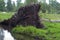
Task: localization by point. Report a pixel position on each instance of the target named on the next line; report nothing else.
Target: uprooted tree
(27, 15)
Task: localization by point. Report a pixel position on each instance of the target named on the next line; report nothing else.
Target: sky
(58, 1)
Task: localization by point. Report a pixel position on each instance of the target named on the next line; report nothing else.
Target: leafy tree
(2, 5)
(18, 3)
(14, 6)
(30, 1)
(54, 6)
(43, 6)
(9, 5)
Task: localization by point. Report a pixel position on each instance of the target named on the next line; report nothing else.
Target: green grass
(51, 16)
(28, 32)
(53, 30)
(50, 32)
(5, 16)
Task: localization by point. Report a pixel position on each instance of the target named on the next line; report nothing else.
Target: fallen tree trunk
(49, 20)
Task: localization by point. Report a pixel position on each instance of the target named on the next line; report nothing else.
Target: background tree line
(52, 7)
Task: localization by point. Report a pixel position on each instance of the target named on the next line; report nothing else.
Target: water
(5, 35)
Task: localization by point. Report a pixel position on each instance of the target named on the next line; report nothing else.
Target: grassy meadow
(50, 16)
(5, 16)
(50, 32)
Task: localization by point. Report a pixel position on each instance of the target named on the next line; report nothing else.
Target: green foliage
(5, 16)
(55, 6)
(51, 32)
(9, 6)
(52, 7)
(19, 4)
(29, 32)
(14, 6)
(2, 5)
(30, 1)
(43, 7)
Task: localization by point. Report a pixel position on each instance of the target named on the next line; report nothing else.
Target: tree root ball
(27, 15)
